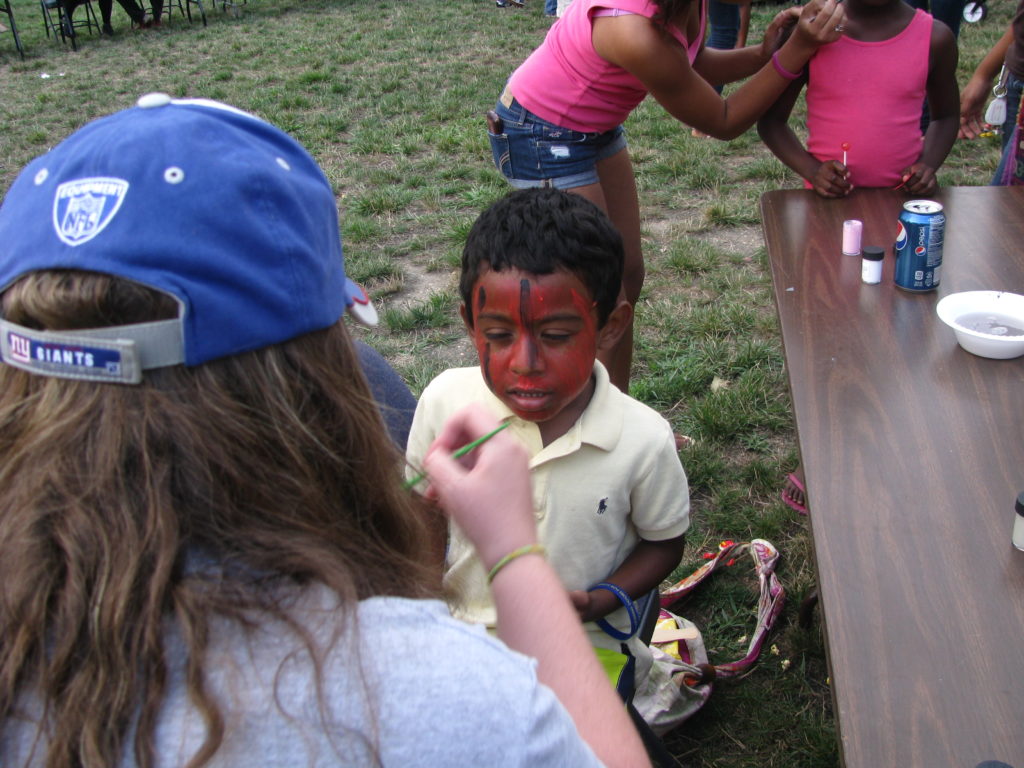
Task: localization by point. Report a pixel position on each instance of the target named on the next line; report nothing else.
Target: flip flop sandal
(789, 500)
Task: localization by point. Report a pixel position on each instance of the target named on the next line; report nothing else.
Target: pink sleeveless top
(869, 96)
(565, 82)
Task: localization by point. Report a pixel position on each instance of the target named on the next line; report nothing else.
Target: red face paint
(536, 336)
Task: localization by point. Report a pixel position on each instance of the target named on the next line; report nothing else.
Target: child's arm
(649, 564)
(828, 178)
(944, 107)
(720, 66)
(635, 44)
(974, 94)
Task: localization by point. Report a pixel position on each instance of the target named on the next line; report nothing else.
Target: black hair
(542, 231)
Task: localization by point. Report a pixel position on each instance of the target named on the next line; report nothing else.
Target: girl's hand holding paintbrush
(486, 492)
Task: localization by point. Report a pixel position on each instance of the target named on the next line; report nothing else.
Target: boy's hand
(582, 603)
(919, 179)
(595, 605)
(832, 179)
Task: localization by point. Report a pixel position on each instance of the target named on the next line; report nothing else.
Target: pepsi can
(919, 236)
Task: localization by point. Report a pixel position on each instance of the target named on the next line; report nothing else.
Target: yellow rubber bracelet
(529, 549)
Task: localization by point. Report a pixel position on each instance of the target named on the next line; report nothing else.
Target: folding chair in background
(5, 7)
(63, 26)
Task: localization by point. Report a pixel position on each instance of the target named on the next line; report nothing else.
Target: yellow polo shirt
(613, 478)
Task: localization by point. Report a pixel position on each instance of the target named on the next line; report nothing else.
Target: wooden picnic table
(913, 452)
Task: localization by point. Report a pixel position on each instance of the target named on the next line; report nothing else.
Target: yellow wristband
(529, 549)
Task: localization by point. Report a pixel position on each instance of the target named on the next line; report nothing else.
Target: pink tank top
(565, 82)
(869, 96)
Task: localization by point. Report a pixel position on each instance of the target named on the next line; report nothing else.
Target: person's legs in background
(69, 11)
(724, 21)
(618, 188)
(106, 9)
(615, 194)
(550, 7)
(741, 39)
(949, 12)
(131, 7)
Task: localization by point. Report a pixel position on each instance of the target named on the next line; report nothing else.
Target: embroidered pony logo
(602, 506)
(83, 208)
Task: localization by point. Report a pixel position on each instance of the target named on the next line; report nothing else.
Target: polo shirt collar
(600, 425)
(601, 422)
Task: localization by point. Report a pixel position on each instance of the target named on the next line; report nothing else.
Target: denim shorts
(532, 152)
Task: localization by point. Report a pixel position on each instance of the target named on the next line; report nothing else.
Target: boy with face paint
(540, 287)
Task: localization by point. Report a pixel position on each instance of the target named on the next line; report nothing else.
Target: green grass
(389, 96)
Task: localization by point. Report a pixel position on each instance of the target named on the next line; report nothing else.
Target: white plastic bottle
(871, 265)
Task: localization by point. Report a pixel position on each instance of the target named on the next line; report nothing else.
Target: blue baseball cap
(212, 205)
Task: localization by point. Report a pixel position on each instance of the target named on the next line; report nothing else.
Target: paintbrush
(412, 482)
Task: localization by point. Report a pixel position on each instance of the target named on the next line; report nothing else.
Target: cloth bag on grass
(681, 678)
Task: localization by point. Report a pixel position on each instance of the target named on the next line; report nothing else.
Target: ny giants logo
(21, 348)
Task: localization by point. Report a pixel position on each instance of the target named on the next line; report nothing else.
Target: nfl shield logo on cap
(82, 208)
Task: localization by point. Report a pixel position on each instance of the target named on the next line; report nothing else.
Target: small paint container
(871, 264)
(852, 231)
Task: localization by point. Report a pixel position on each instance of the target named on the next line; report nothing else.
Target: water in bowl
(991, 323)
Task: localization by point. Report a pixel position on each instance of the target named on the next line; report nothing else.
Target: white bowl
(1001, 314)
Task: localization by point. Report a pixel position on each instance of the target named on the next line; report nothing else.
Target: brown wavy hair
(274, 462)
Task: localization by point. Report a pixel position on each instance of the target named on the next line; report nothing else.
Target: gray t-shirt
(421, 688)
